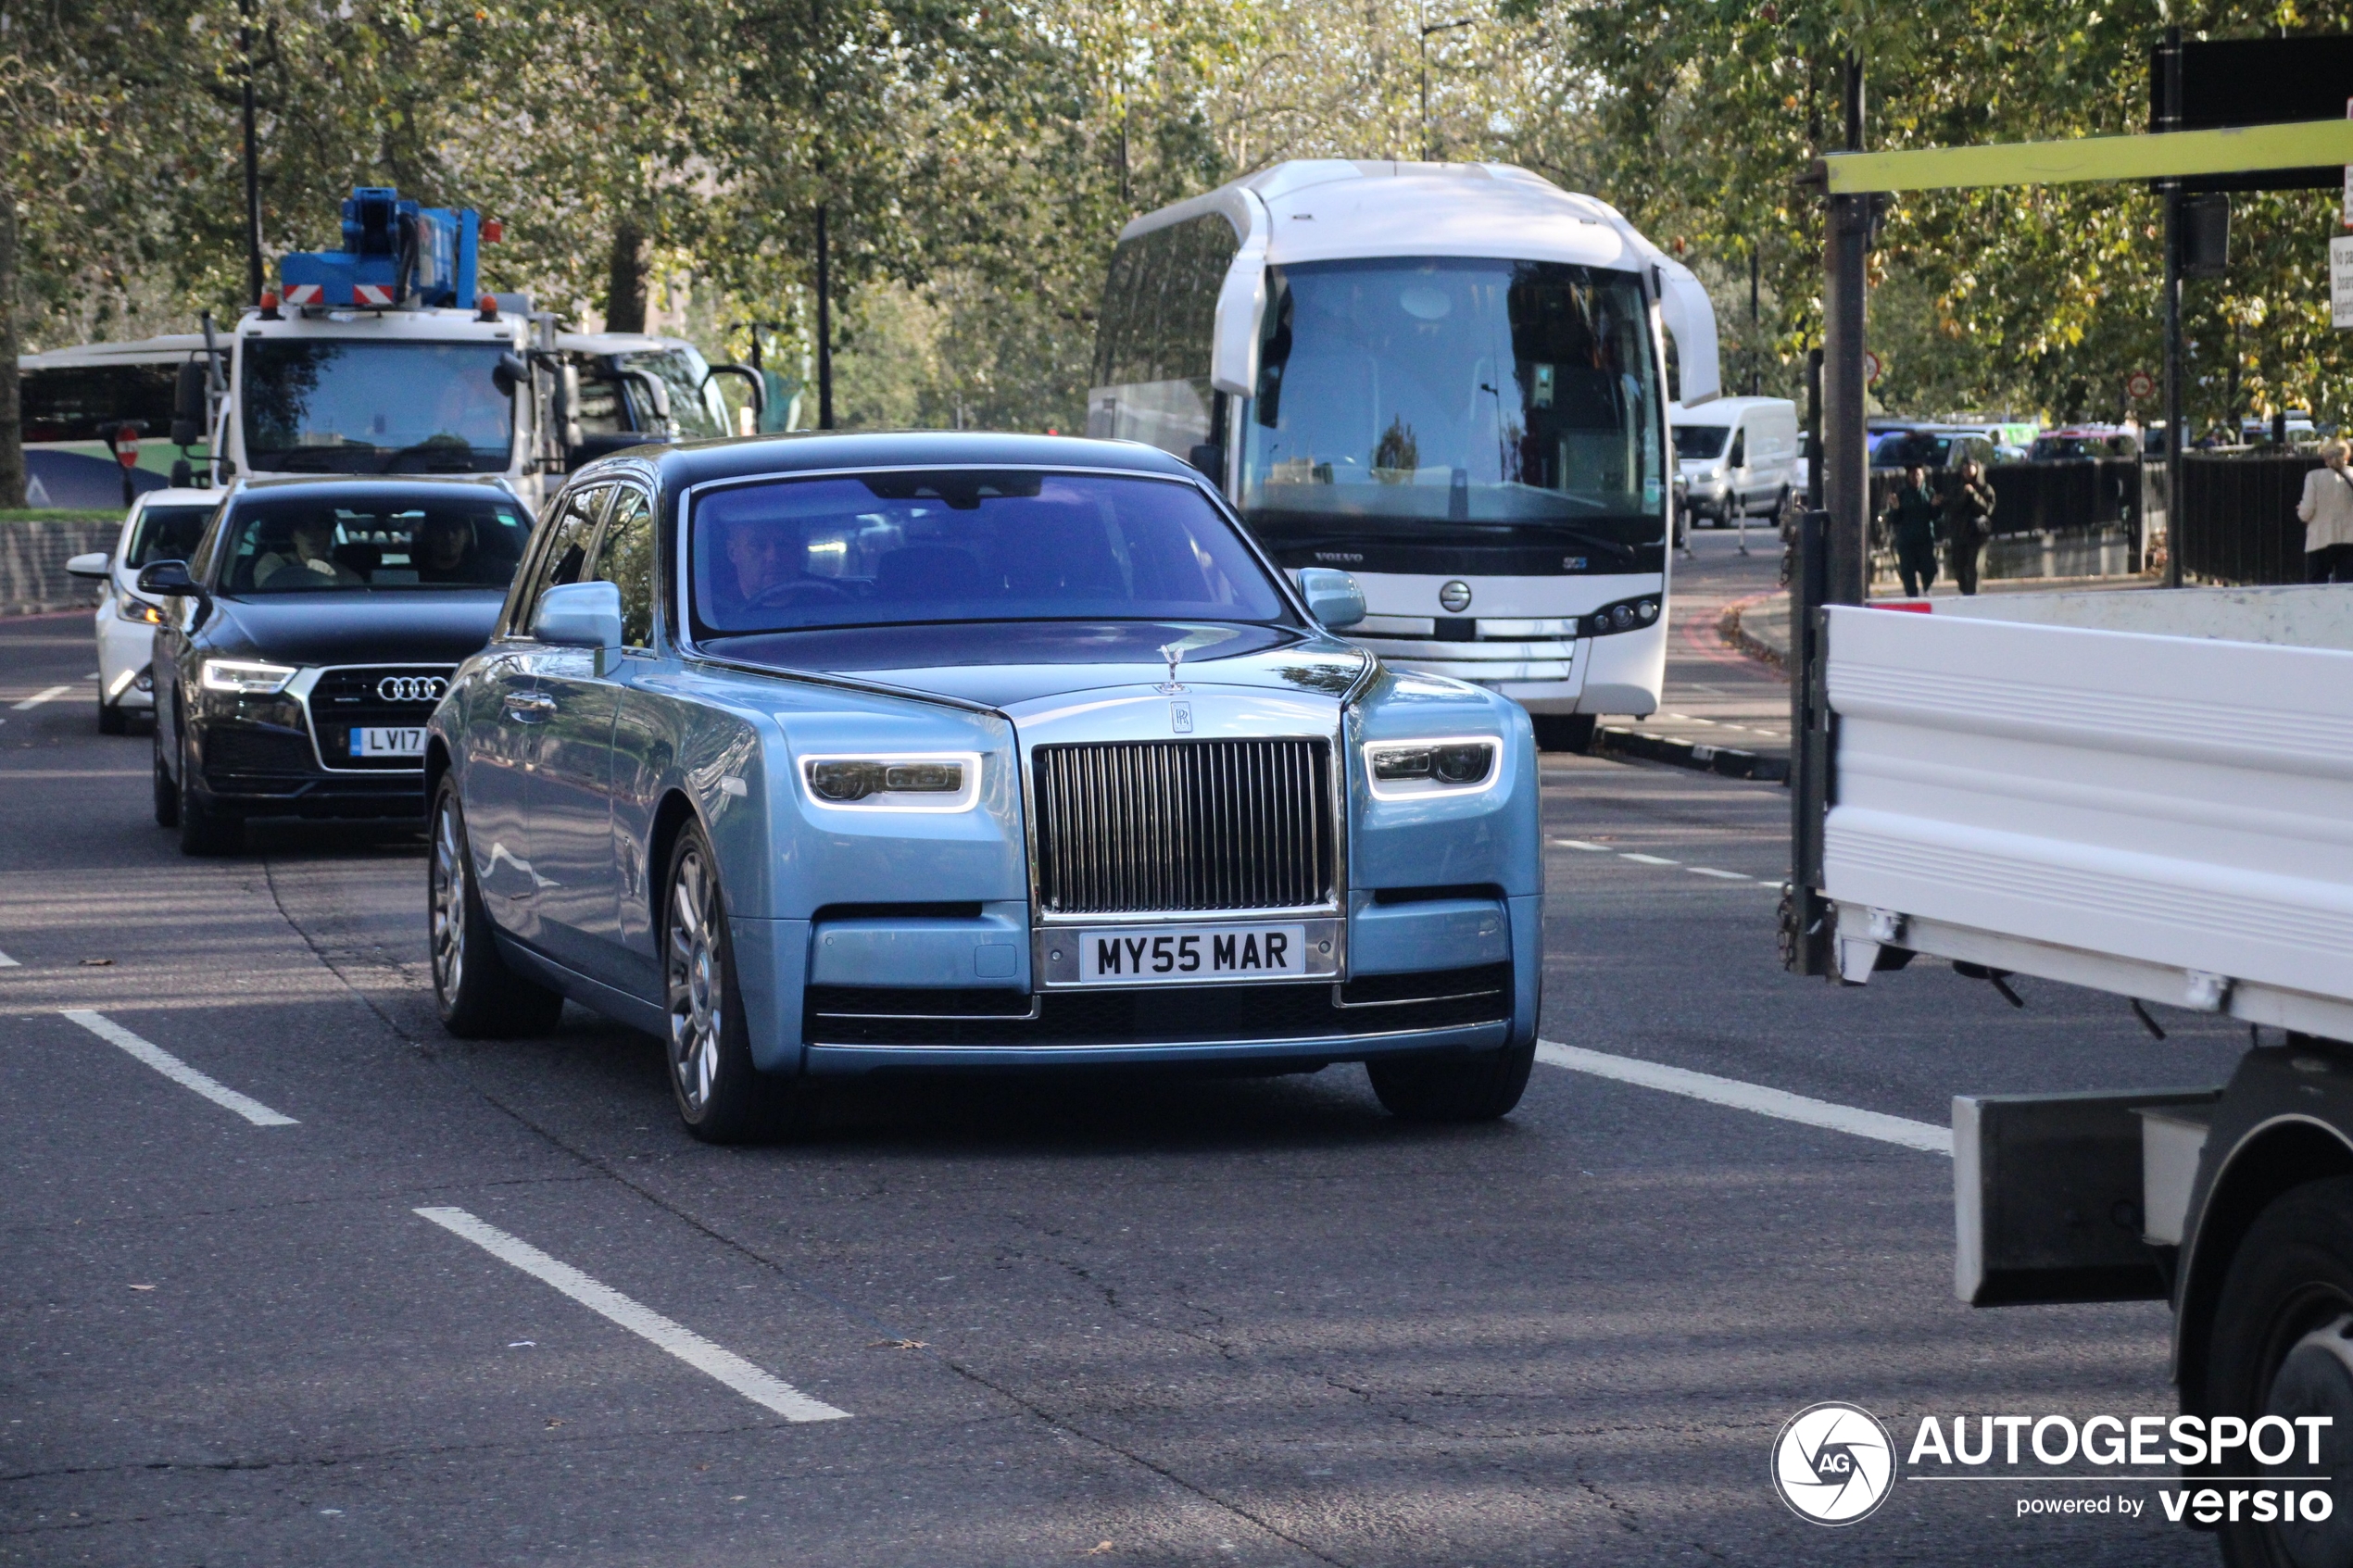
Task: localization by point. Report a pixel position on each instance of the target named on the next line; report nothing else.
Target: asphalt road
(1126, 1321)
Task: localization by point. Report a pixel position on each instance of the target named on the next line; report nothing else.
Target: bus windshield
(341, 406)
(1517, 401)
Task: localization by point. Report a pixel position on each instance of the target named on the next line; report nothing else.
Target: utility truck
(387, 357)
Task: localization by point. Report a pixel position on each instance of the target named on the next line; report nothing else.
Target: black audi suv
(308, 639)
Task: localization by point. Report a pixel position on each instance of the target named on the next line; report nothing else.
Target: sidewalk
(1759, 626)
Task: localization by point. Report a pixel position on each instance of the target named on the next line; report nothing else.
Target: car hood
(411, 626)
(1001, 663)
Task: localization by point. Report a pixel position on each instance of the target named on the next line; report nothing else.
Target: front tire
(1563, 731)
(721, 1095)
(166, 793)
(2280, 1347)
(1453, 1088)
(205, 829)
(480, 997)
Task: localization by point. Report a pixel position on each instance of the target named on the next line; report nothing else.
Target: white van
(1737, 456)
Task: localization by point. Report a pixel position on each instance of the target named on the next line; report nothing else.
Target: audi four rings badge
(411, 688)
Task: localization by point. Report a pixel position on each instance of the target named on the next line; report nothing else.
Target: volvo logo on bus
(1455, 598)
(411, 688)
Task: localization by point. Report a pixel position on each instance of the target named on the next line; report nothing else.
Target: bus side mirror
(1333, 597)
(509, 373)
(1209, 456)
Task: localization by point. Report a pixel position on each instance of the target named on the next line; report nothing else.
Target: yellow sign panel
(2169, 154)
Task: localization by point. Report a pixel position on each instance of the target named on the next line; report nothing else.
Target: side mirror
(579, 615)
(1210, 459)
(188, 406)
(92, 566)
(1333, 597)
(509, 373)
(754, 381)
(167, 579)
(568, 407)
(656, 392)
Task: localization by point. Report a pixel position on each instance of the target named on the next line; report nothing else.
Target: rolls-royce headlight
(924, 782)
(1451, 766)
(245, 676)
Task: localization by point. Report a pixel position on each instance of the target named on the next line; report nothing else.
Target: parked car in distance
(1737, 456)
(1930, 448)
(834, 755)
(307, 638)
(161, 525)
(2085, 441)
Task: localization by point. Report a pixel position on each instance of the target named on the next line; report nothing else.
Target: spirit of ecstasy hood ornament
(1198, 637)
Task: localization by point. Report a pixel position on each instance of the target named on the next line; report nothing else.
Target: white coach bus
(1447, 379)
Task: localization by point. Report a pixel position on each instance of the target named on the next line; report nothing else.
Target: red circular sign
(2140, 383)
(1871, 366)
(126, 448)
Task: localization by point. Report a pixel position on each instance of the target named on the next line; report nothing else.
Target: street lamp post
(1429, 150)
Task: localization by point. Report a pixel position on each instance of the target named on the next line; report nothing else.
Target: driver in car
(442, 549)
(307, 561)
(763, 569)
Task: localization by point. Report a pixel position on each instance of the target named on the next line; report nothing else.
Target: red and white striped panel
(372, 293)
(306, 294)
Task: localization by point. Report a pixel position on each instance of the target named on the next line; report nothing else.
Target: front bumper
(256, 772)
(1294, 1051)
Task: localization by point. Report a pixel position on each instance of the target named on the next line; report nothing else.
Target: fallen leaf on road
(1096, 1551)
(899, 1345)
(143, 1287)
(98, 963)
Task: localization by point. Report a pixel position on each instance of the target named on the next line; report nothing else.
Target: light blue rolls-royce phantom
(843, 754)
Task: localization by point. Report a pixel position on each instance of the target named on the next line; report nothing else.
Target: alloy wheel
(449, 893)
(692, 969)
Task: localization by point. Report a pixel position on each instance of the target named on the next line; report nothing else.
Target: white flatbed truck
(2148, 792)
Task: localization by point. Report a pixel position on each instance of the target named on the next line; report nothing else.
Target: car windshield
(1699, 442)
(332, 542)
(912, 547)
(166, 534)
(339, 406)
(1397, 395)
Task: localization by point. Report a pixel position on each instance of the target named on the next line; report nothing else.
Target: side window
(563, 557)
(625, 558)
(1739, 459)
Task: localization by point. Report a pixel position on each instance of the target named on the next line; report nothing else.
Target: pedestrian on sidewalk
(1968, 519)
(2327, 512)
(1910, 518)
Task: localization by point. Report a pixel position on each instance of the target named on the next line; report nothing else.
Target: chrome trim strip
(307, 678)
(1036, 1009)
(1306, 1045)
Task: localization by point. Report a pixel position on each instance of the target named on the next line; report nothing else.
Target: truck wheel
(722, 1096)
(480, 997)
(1563, 731)
(2283, 1345)
(1453, 1088)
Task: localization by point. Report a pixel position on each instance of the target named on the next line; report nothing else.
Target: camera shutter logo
(411, 688)
(1833, 1463)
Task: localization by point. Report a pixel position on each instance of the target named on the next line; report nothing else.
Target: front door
(571, 830)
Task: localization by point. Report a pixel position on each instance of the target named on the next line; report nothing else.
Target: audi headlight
(247, 677)
(138, 610)
(901, 782)
(1453, 766)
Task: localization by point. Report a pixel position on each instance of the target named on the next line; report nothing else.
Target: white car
(161, 525)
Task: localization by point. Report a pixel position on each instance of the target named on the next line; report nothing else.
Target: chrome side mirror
(1332, 597)
(579, 615)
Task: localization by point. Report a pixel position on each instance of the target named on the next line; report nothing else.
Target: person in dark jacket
(1911, 522)
(1969, 517)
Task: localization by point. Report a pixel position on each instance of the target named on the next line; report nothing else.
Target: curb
(1727, 761)
(1729, 627)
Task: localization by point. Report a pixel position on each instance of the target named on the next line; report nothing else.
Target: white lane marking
(37, 699)
(1926, 1137)
(1647, 859)
(1580, 844)
(1711, 870)
(92, 676)
(750, 1381)
(7, 962)
(179, 1072)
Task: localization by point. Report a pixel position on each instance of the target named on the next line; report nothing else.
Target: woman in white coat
(2327, 511)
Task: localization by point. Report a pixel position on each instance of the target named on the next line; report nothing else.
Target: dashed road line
(1580, 844)
(37, 699)
(724, 1365)
(7, 962)
(179, 1072)
(1780, 1104)
(1646, 859)
(1711, 870)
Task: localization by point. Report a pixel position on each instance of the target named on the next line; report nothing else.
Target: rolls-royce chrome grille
(1151, 826)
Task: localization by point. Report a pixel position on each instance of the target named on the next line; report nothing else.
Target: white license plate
(388, 742)
(1174, 955)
